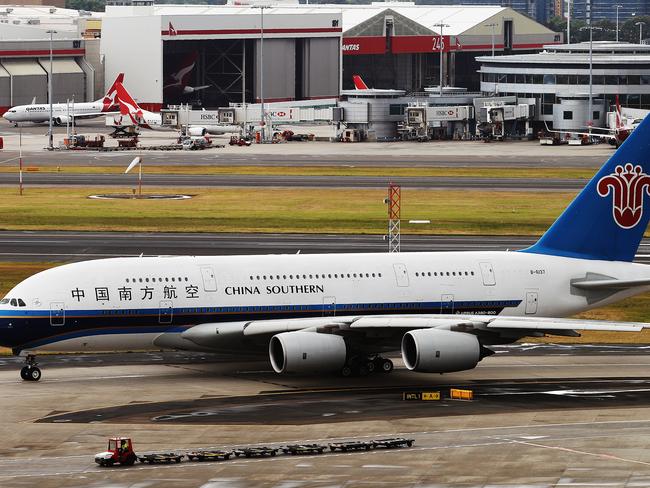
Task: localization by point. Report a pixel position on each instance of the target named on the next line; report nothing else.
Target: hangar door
(68, 81)
(5, 88)
(27, 80)
(320, 68)
(279, 69)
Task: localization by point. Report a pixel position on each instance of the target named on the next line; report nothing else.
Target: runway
(285, 181)
(547, 417)
(78, 246)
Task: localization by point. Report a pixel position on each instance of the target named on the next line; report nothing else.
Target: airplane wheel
(24, 373)
(387, 366)
(346, 371)
(35, 374)
(371, 366)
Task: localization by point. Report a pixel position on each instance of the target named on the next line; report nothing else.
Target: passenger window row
(153, 280)
(424, 274)
(317, 276)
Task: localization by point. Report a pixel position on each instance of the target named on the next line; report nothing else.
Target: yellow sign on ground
(458, 394)
(430, 395)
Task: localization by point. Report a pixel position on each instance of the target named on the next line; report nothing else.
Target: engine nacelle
(197, 131)
(61, 120)
(440, 351)
(307, 352)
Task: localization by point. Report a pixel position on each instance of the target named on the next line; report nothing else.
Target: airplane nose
(6, 115)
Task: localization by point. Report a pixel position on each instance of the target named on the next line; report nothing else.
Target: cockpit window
(21, 303)
(4, 301)
(13, 302)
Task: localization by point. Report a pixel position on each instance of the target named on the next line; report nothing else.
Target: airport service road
(541, 418)
(438, 153)
(284, 181)
(78, 246)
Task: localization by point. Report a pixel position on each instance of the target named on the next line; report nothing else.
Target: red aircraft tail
(359, 84)
(109, 99)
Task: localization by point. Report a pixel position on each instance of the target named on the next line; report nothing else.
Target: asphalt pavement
(286, 181)
(79, 246)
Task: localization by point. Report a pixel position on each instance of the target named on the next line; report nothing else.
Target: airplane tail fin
(607, 219)
(128, 106)
(109, 98)
(359, 84)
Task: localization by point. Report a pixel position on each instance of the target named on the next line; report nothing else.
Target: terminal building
(559, 75)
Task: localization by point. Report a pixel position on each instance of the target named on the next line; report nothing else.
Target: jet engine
(197, 131)
(440, 351)
(61, 120)
(307, 352)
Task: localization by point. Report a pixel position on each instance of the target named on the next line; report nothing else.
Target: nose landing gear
(31, 371)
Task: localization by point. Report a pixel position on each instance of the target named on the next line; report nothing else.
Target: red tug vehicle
(120, 451)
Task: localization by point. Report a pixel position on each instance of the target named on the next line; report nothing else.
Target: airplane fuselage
(142, 303)
(41, 112)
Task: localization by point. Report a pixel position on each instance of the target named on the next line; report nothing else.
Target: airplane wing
(209, 335)
(92, 115)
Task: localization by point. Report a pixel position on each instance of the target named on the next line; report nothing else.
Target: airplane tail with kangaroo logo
(608, 218)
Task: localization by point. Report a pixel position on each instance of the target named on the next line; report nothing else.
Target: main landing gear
(363, 366)
(31, 371)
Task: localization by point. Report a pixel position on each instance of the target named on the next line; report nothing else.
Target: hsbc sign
(281, 114)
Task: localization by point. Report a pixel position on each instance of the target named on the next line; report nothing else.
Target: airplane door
(166, 312)
(447, 304)
(209, 279)
(329, 306)
(487, 272)
(401, 274)
(57, 313)
(531, 302)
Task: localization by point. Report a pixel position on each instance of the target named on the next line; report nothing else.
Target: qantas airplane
(339, 312)
(178, 82)
(134, 114)
(61, 114)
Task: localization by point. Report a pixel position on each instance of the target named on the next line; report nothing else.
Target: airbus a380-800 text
(340, 312)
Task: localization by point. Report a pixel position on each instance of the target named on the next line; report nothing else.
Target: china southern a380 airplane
(339, 312)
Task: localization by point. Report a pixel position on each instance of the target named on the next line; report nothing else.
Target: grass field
(282, 210)
(344, 170)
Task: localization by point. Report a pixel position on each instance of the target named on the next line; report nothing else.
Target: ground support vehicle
(295, 449)
(206, 455)
(160, 458)
(256, 451)
(351, 446)
(120, 451)
(392, 443)
(239, 141)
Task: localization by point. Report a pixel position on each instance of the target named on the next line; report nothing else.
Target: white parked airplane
(135, 115)
(338, 312)
(62, 112)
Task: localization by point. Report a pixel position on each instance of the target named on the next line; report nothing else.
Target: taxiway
(546, 418)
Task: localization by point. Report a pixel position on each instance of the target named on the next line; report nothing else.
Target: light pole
(591, 65)
(493, 25)
(262, 7)
(441, 25)
(50, 144)
(568, 22)
(617, 7)
(640, 24)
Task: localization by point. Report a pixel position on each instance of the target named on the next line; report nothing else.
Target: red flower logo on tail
(628, 186)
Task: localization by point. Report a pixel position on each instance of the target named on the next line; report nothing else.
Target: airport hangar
(310, 51)
(25, 51)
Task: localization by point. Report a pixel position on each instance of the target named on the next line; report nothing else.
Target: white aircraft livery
(340, 312)
(62, 113)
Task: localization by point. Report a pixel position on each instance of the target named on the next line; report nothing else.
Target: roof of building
(458, 18)
(603, 52)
